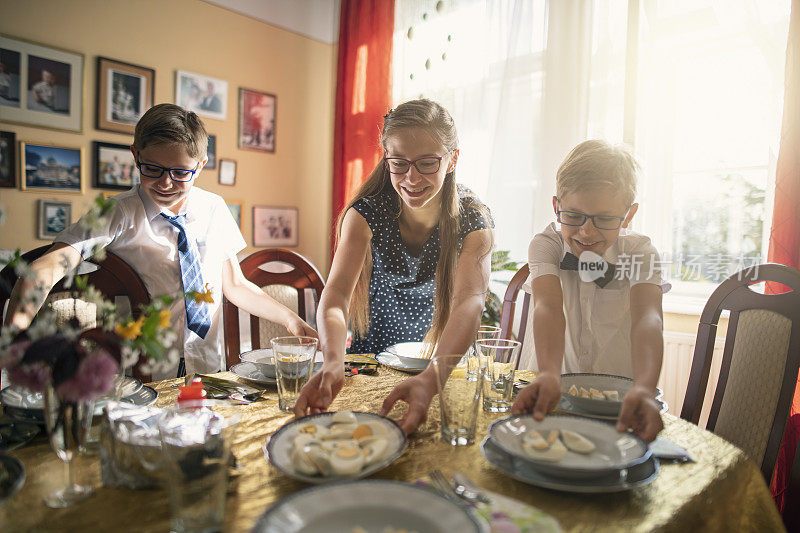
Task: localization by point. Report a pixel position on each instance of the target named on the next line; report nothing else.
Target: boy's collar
(152, 210)
(610, 256)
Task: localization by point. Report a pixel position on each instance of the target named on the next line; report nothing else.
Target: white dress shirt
(137, 233)
(598, 333)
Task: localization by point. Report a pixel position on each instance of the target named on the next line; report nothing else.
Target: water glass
(196, 438)
(459, 398)
(474, 357)
(294, 364)
(498, 379)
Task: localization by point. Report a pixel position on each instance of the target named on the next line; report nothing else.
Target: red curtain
(363, 94)
(784, 239)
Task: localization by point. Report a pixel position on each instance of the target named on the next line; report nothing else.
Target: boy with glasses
(596, 289)
(177, 237)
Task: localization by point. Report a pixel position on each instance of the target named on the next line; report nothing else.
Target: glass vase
(68, 426)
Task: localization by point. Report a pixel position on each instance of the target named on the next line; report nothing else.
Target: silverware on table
(467, 489)
(443, 487)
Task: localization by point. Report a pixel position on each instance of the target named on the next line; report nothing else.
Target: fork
(442, 486)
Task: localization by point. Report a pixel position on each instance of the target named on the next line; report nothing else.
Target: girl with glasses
(412, 261)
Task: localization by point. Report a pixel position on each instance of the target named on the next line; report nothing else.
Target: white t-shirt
(137, 233)
(598, 333)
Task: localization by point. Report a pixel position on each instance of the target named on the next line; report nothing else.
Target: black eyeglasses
(424, 165)
(573, 218)
(156, 171)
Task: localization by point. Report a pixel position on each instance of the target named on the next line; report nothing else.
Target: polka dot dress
(401, 289)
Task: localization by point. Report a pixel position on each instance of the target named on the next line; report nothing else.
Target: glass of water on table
(294, 363)
(498, 379)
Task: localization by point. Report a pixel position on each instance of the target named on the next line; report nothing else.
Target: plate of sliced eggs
(599, 394)
(335, 446)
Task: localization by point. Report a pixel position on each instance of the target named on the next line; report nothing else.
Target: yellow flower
(163, 318)
(203, 296)
(131, 330)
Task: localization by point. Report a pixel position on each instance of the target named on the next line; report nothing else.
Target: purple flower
(503, 525)
(13, 355)
(35, 376)
(94, 377)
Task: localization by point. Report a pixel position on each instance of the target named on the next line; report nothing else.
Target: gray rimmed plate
(373, 505)
(601, 382)
(565, 406)
(265, 361)
(614, 451)
(636, 476)
(251, 372)
(277, 448)
(405, 357)
(12, 476)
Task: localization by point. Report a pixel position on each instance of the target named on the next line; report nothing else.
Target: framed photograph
(208, 97)
(8, 167)
(227, 172)
(275, 226)
(54, 217)
(257, 120)
(50, 168)
(212, 152)
(40, 85)
(236, 211)
(124, 93)
(114, 166)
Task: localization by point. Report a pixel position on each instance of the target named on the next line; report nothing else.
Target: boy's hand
(640, 413)
(417, 392)
(299, 328)
(540, 397)
(316, 396)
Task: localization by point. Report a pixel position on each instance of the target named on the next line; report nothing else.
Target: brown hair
(437, 122)
(171, 124)
(597, 164)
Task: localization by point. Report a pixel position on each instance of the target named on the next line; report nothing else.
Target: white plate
(252, 372)
(411, 365)
(601, 382)
(372, 504)
(409, 355)
(277, 447)
(264, 359)
(636, 476)
(614, 451)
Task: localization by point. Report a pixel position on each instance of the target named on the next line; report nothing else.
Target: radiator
(675, 369)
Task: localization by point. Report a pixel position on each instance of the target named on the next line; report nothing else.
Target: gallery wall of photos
(67, 118)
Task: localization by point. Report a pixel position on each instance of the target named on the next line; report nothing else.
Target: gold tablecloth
(722, 491)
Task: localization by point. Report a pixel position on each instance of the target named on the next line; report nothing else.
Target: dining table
(722, 490)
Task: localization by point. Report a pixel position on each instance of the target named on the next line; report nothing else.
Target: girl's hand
(417, 392)
(640, 413)
(299, 328)
(317, 395)
(540, 397)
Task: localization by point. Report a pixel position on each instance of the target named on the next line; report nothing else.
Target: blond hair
(436, 121)
(597, 164)
(171, 124)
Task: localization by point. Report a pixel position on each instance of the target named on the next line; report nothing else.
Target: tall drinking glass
(498, 382)
(68, 426)
(294, 363)
(196, 438)
(459, 398)
(474, 357)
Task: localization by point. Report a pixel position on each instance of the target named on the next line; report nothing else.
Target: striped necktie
(198, 319)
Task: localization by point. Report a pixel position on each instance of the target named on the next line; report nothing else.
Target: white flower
(45, 326)
(129, 356)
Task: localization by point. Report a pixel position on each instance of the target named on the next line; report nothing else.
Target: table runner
(723, 490)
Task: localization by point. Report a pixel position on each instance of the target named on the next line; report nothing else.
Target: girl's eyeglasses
(424, 165)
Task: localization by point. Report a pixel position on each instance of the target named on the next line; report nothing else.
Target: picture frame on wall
(114, 166)
(206, 96)
(124, 93)
(275, 226)
(211, 152)
(227, 172)
(8, 166)
(41, 86)
(257, 111)
(50, 168)
(54, 217)
(236, 212)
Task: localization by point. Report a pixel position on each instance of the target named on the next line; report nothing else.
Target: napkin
(666, 450)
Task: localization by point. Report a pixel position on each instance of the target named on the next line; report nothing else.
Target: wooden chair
(759, 367)
(113, 277)
(289, 284)
(510, 305)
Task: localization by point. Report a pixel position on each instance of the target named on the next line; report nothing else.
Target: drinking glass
(459, 398)
(196, 438)
(294, 363)
(474, 357)
(68, 425)
(498, 379)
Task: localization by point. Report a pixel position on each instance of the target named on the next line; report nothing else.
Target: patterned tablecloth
(722, 491)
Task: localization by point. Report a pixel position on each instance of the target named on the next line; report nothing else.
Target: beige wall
(202, 38)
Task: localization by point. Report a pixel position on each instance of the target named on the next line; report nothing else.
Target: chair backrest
(759, 367)
(509, 308)
(113, 277)
(303, 275)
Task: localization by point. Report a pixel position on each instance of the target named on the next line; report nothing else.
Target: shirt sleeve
(228, 231)
(88, 235)
(544, 255)
(644, 265)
